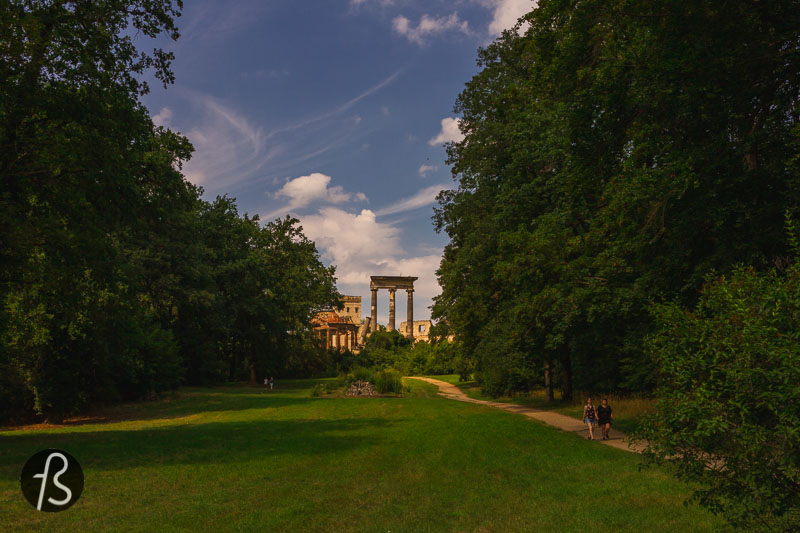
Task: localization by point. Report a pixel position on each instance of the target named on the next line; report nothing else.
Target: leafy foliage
(117, 280)
(614, 153)
(728, 397)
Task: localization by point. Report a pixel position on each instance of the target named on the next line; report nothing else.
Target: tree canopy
(117, 280)
(615, 153)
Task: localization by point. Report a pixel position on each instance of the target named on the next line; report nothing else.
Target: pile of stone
(361, 388)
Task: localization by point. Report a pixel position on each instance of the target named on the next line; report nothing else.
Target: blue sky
(336, 112)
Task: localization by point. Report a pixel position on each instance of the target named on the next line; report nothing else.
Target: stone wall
(351, 308)
(422, 329)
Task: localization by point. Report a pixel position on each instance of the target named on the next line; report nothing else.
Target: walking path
(562, 422)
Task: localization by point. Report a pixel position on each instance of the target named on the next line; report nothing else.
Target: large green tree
(614, 153)
(117, 280)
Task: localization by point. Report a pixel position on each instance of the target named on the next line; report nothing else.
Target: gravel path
(562, 422)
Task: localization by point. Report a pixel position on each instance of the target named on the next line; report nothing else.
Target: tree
(614, 153)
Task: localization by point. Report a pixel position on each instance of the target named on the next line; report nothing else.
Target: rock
(361, 388)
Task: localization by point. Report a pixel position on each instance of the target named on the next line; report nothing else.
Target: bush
(318, 390)
(728, 400)
(387, 381)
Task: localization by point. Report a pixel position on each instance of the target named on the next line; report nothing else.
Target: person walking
(589, 417)
(271, 382)
(266, 383)
(604, 417)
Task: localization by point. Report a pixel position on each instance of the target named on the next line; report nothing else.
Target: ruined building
(421, 329)
(336, 332)
(351, 308)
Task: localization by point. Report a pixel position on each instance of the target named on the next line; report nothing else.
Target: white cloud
(305, 190)
(228, 148)
(424, 169)
(448, 133)
(505, 14)
(231, 150)
(428, 26)
(426, 196)
(358, 3)
(163, 117)
(361, 247)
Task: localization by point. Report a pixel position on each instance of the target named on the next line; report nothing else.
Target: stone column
(327, 338)
(410, 314)
(335, 341)
(390, 326)
(374, 324)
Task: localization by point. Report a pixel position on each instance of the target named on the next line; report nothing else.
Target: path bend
(563, 422)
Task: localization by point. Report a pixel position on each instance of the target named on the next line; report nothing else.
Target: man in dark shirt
(604, 418)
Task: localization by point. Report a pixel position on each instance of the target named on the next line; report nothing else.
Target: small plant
(388, 381)
(318, 390)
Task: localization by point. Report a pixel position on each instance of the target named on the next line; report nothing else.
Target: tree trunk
(566, 371)
(548, 380)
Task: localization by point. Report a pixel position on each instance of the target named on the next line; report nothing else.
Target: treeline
(616, 153)
(117, 281)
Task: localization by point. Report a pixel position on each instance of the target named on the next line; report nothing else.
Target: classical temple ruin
(343, 328)
(338, 332)
(392, 284)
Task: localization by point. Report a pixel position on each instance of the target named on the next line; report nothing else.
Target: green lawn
(239, 459)
(628, 411)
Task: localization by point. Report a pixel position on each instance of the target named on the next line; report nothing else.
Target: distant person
(266, 383)
(271, 382)
(589, 417)
(604, 418)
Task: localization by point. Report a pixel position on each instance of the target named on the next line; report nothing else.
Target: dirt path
(562, 422)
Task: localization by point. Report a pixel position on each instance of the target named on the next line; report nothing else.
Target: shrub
(318, 390)
(387, 381)
(728, 404)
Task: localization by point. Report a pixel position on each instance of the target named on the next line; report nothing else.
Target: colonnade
(393, 284)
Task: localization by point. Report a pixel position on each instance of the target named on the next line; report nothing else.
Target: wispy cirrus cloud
(426, 196)
(231, 149)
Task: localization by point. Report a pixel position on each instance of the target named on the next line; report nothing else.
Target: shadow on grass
(209, 443)
(181, 403)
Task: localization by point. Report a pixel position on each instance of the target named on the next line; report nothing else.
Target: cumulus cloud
(305, 190)
(360, 246)
(424, 169)
(448, 133)
(163, 117)
(428, 26)
(505, 14)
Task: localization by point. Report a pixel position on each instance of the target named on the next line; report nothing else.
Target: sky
(335, 112)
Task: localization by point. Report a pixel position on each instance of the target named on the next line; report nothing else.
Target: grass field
(628, 410)
(239, 459)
